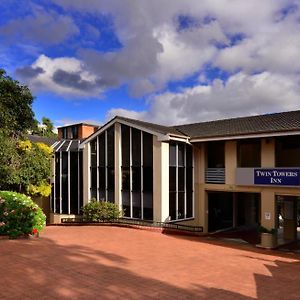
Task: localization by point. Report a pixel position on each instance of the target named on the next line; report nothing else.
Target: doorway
(288, 217)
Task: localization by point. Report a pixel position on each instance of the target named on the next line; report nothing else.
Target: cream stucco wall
(160, 180)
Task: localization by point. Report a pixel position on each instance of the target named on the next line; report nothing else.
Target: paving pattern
(95, 262)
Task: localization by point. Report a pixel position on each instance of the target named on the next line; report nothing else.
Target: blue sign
(290, 177)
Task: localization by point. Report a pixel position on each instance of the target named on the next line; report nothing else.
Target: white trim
(142, 177)
(98, 175)
(54, 185)
(54, 144)
(177, 139)
(60, 182)
(185, 171)
(130, 171)
(60, 146)
(106, 167)
(78, 182)
(180, 220)
(177, 181)
(160, 136)
(69, 183)
(246, 136)
(69, 146)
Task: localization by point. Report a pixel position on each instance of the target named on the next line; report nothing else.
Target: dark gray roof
(42, 139)
(155, 127)
(269, 123)
(64, 145)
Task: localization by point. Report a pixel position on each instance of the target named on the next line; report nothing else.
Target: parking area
(98, 262)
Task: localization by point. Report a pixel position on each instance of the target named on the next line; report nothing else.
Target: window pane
(111, 196)
(126, 203)
(148, 206)
(189, 156)
(65, 193)
(125, 179)
(125, 145)
(80, 180)
(147, 179)
(110, 178)
(180, 155)
(94, 153)
(181, 205)
(172, 179)
(74, 182)
(102, 185)
(136, 205)
(102, 150)
(249, 153)
(102, 195)
(136, 147)
(172, 155)
(136, 178)
(189, 179)
(172, 205)
(147, 149)
(111, 147)
(215, 155)
(57, 182)
(94, 180)
(189, 204)
(181, 178)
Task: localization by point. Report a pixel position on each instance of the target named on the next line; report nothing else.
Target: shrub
(95, 211)
(19, 215)
(263, 229)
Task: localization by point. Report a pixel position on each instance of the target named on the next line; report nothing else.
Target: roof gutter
(245, 136)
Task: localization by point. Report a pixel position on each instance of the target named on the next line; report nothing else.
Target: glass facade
(68, 183)
(137, 173)
(180, 181)
(102, 166)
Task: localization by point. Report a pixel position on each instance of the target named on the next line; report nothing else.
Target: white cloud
(241, 95)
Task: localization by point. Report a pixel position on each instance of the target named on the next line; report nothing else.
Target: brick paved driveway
(120, 263)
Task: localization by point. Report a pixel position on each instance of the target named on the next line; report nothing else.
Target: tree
(48, 127)
(24, 166)
(15, 105)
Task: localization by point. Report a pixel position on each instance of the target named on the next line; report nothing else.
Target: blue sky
(164, 61)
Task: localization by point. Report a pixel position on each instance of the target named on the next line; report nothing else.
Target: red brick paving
(119, 263)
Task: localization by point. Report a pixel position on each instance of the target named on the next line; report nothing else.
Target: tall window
(249, 153)
(93, 169)
(103, 166)
(68, 181)
(288, 151)
(180, 181)
(137, 173)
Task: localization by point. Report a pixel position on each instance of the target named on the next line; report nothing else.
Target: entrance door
(288, 216)
(220, 211)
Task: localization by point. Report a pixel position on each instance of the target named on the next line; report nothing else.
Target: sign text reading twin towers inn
(289, 177)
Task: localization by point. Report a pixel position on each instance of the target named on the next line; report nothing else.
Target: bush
(263, 229)
(95, 211)
(19, 215)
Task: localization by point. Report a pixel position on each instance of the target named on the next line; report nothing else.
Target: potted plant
(268, 237)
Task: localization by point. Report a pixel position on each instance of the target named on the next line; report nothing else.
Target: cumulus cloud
(64, 76)
(256, 42)
(240, 95)
(45, 27)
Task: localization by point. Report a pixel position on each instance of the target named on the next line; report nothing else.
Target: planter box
(268, 240)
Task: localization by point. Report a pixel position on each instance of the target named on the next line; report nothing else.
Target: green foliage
(19, 215)
(15, 105)
(263, 229)
(24, 166)
(95, 211)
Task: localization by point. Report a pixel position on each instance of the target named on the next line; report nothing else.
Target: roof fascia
(161, 137)
(245, 136)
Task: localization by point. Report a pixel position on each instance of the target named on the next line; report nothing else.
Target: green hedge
(95, 211)
(19, 215)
